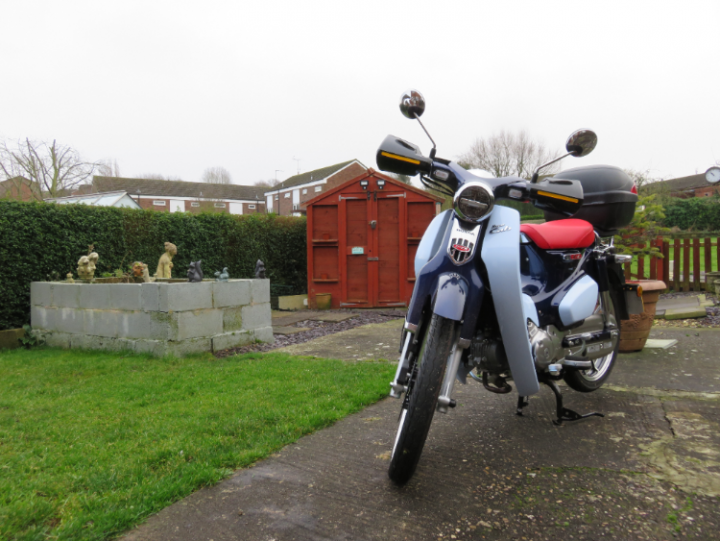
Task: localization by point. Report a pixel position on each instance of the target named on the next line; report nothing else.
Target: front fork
(399, 384)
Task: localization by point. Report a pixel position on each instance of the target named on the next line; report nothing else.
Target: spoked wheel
(586, 381)
(419, 404)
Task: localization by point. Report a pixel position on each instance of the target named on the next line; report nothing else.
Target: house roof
(311, 176)
(679, 184)
(177, 188)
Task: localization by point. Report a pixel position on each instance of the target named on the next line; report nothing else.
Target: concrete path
(649, 470)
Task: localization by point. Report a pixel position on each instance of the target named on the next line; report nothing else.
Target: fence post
(665, 263)
(696, 264)
(676, 265)
(686, 265)
(708, 258)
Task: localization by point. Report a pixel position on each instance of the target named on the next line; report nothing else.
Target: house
(684, 187)
(180, 196)
(18, 188)
(290, 196)
(105, 199)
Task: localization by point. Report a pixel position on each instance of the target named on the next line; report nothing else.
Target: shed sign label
(358, 250)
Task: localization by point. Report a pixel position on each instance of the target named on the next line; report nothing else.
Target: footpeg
(495, 383)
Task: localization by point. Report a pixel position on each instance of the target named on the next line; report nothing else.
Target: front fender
(450, 297)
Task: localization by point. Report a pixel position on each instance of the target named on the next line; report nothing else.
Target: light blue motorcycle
(495, 300)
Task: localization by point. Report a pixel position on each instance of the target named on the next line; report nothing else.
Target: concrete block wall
(157, 318)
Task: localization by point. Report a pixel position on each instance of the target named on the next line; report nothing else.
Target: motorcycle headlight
(474, 201)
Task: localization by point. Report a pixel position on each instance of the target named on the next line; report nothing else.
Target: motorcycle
(496, 301)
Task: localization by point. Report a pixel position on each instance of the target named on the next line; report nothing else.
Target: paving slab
(676, 305)
(692, 365)
(289, 330)
(285, 319)
(688, 312)
(334, 317)
(648, 470)
(369, 342)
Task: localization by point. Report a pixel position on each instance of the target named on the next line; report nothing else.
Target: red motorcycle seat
(570, 234)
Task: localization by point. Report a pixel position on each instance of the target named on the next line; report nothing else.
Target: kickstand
(523, 402)
(563, 413)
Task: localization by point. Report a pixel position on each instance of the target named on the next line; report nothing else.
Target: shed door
(387, 240)
(357, 283)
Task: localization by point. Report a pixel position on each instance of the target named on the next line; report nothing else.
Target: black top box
(609, 203)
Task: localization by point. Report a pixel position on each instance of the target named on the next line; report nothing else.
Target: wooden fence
(683, 266)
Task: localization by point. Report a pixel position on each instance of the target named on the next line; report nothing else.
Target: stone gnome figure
(165, 265)
(86, 266)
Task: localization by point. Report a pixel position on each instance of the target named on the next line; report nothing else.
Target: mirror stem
(432, 152)
(543, 166)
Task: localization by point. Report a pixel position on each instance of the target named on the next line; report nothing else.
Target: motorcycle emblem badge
(499, 228)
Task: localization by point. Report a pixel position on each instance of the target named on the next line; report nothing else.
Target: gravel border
(318, 329)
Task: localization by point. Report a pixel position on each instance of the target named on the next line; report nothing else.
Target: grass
(92, 443)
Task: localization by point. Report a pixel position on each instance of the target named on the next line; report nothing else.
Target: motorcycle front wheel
(421, 399)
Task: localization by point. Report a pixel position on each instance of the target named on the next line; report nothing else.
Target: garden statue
(137, 269)
(69, 278)
(165, 265)
(222, 276)
(146, 274)
(259, 269)
(195, 273)
(86, 266)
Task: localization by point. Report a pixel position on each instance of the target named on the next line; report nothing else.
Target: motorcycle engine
(488, 354)
(546, 344)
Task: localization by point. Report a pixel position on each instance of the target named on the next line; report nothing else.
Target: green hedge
(39, 239)
(698, 213)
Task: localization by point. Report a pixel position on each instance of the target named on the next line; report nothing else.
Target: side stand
(563, 413)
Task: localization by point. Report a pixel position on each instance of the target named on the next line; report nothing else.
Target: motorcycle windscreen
(501, 256)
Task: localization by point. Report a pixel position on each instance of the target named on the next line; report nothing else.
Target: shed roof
(372, 173)
(177, 188)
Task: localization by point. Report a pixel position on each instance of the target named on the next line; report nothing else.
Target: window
(251, 206)
(318, 188)
(219, 205)
(159, 203)
(304, 191)
(277, 197)
(194, 204)
(287, 195)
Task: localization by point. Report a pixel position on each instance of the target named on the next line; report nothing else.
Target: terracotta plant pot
(323, 301)
(634, 332)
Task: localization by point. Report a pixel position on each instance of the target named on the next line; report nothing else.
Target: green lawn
(92, 443)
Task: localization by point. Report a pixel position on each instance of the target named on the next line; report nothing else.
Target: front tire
(587, 381)
(425, 380)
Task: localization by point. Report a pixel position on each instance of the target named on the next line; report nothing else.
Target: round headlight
(473, 201)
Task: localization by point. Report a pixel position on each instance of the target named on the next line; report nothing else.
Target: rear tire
(587, 381)
(425, 380)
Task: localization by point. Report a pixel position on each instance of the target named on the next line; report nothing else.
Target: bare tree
(506, 154)
(109, 168)
(271, 183)
(216, 175)
(51, 169)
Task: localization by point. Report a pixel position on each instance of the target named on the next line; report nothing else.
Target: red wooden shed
(362, 239)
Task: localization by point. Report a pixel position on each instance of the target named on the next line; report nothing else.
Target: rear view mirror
(581, 143)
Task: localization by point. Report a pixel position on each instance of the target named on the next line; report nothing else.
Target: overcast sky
(175, 87)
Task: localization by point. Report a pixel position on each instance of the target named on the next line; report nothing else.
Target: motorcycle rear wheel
(587, 381)
(421, 400)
